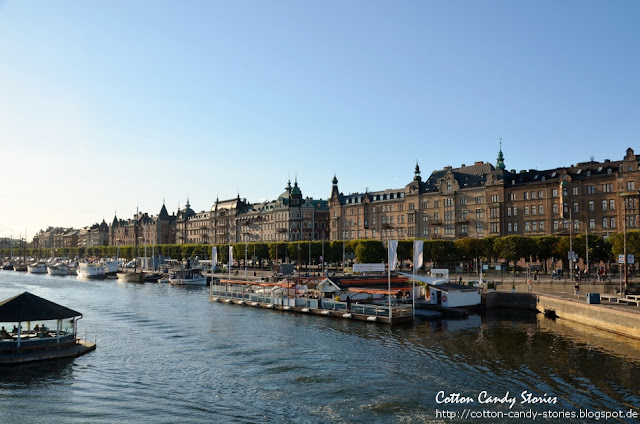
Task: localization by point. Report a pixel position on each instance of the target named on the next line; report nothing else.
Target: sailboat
(134, 276)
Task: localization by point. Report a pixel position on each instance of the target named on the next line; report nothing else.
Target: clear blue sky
(112, 105)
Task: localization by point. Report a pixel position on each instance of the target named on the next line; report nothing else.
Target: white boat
(111, 266)
(38, 268)
(86, 270)
(131, 277)
(188, 277)
(58, 269)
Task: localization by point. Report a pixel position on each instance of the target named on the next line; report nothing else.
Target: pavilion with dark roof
(39, 342)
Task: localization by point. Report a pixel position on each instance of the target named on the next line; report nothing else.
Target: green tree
(514, 248)
(370, 251)
(544, 248)
(438, 251)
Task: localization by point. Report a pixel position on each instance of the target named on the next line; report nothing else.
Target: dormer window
(448, 185)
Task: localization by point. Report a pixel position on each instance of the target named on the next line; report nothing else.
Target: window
(495, 213)
(436, 231)
(526, 211)
(463, 229)
(631, 185)
(495, 198)
(612, 205)
(425, 217)
(607, 188)
(591, 189)
(534, 210)
(605, 222)
(448, 202)
(479, 213)
(554, 208)
(515, 226)
(576, 224)
(436, 203)
(526, 195)
(373, 220)
(436, 216)
(448, 188)
(575, 191)
(478, 200)
(463, 201)
(411, 206)
(534, 195)
(592, 223)
(541, 209)
(555, 225)
(463, 214)
(509, 227)
(534, 225)
(604, 205)
(613, 223)
(479, 228)
(425, 231)
(527, 226)
(512, 196)
(509, 211)
(592, 206)
(373, 209)
(494, 228)
(400, 207)
(540, 195)
(554, 192)
(515, 211)
(541, 226)
(575, 206)
(448, 216)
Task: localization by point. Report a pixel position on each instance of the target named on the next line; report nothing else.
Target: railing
(233, 293)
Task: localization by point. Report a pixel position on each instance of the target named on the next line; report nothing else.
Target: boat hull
(189, 281)
(130, 277)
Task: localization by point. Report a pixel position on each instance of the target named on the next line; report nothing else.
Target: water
(166, 354)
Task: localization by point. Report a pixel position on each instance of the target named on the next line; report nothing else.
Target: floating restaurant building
(54, 335)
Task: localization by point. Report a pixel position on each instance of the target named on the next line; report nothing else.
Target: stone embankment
(607, 316)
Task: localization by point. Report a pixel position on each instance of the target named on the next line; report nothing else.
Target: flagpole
(389, 275)
(413, 284)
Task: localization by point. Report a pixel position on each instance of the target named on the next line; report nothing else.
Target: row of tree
(438, 252)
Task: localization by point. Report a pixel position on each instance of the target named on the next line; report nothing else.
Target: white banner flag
(214, 258)
(230, 256)
(418, 246)
(393, 254)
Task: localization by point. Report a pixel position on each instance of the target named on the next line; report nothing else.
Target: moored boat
(131, 277)
(58, 269)
(37, 268)
(87, 270)
(187, 277)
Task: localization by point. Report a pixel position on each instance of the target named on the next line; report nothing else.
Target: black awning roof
(29, 307)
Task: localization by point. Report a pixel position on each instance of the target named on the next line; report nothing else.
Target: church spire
(500, 162)
(417, 172)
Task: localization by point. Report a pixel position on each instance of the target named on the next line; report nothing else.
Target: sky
(108, 107)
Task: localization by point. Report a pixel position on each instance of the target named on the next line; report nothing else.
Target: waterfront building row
(473, 201)
(482, 200)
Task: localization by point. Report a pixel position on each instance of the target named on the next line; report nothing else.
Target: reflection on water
(167, 354)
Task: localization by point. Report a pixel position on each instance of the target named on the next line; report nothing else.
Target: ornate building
(480, 200)
(288, 218)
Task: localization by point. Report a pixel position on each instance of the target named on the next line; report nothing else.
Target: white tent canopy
(429, 280)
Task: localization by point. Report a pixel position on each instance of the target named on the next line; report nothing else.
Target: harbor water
(166, 354)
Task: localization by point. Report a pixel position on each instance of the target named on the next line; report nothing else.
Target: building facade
(482, 200)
